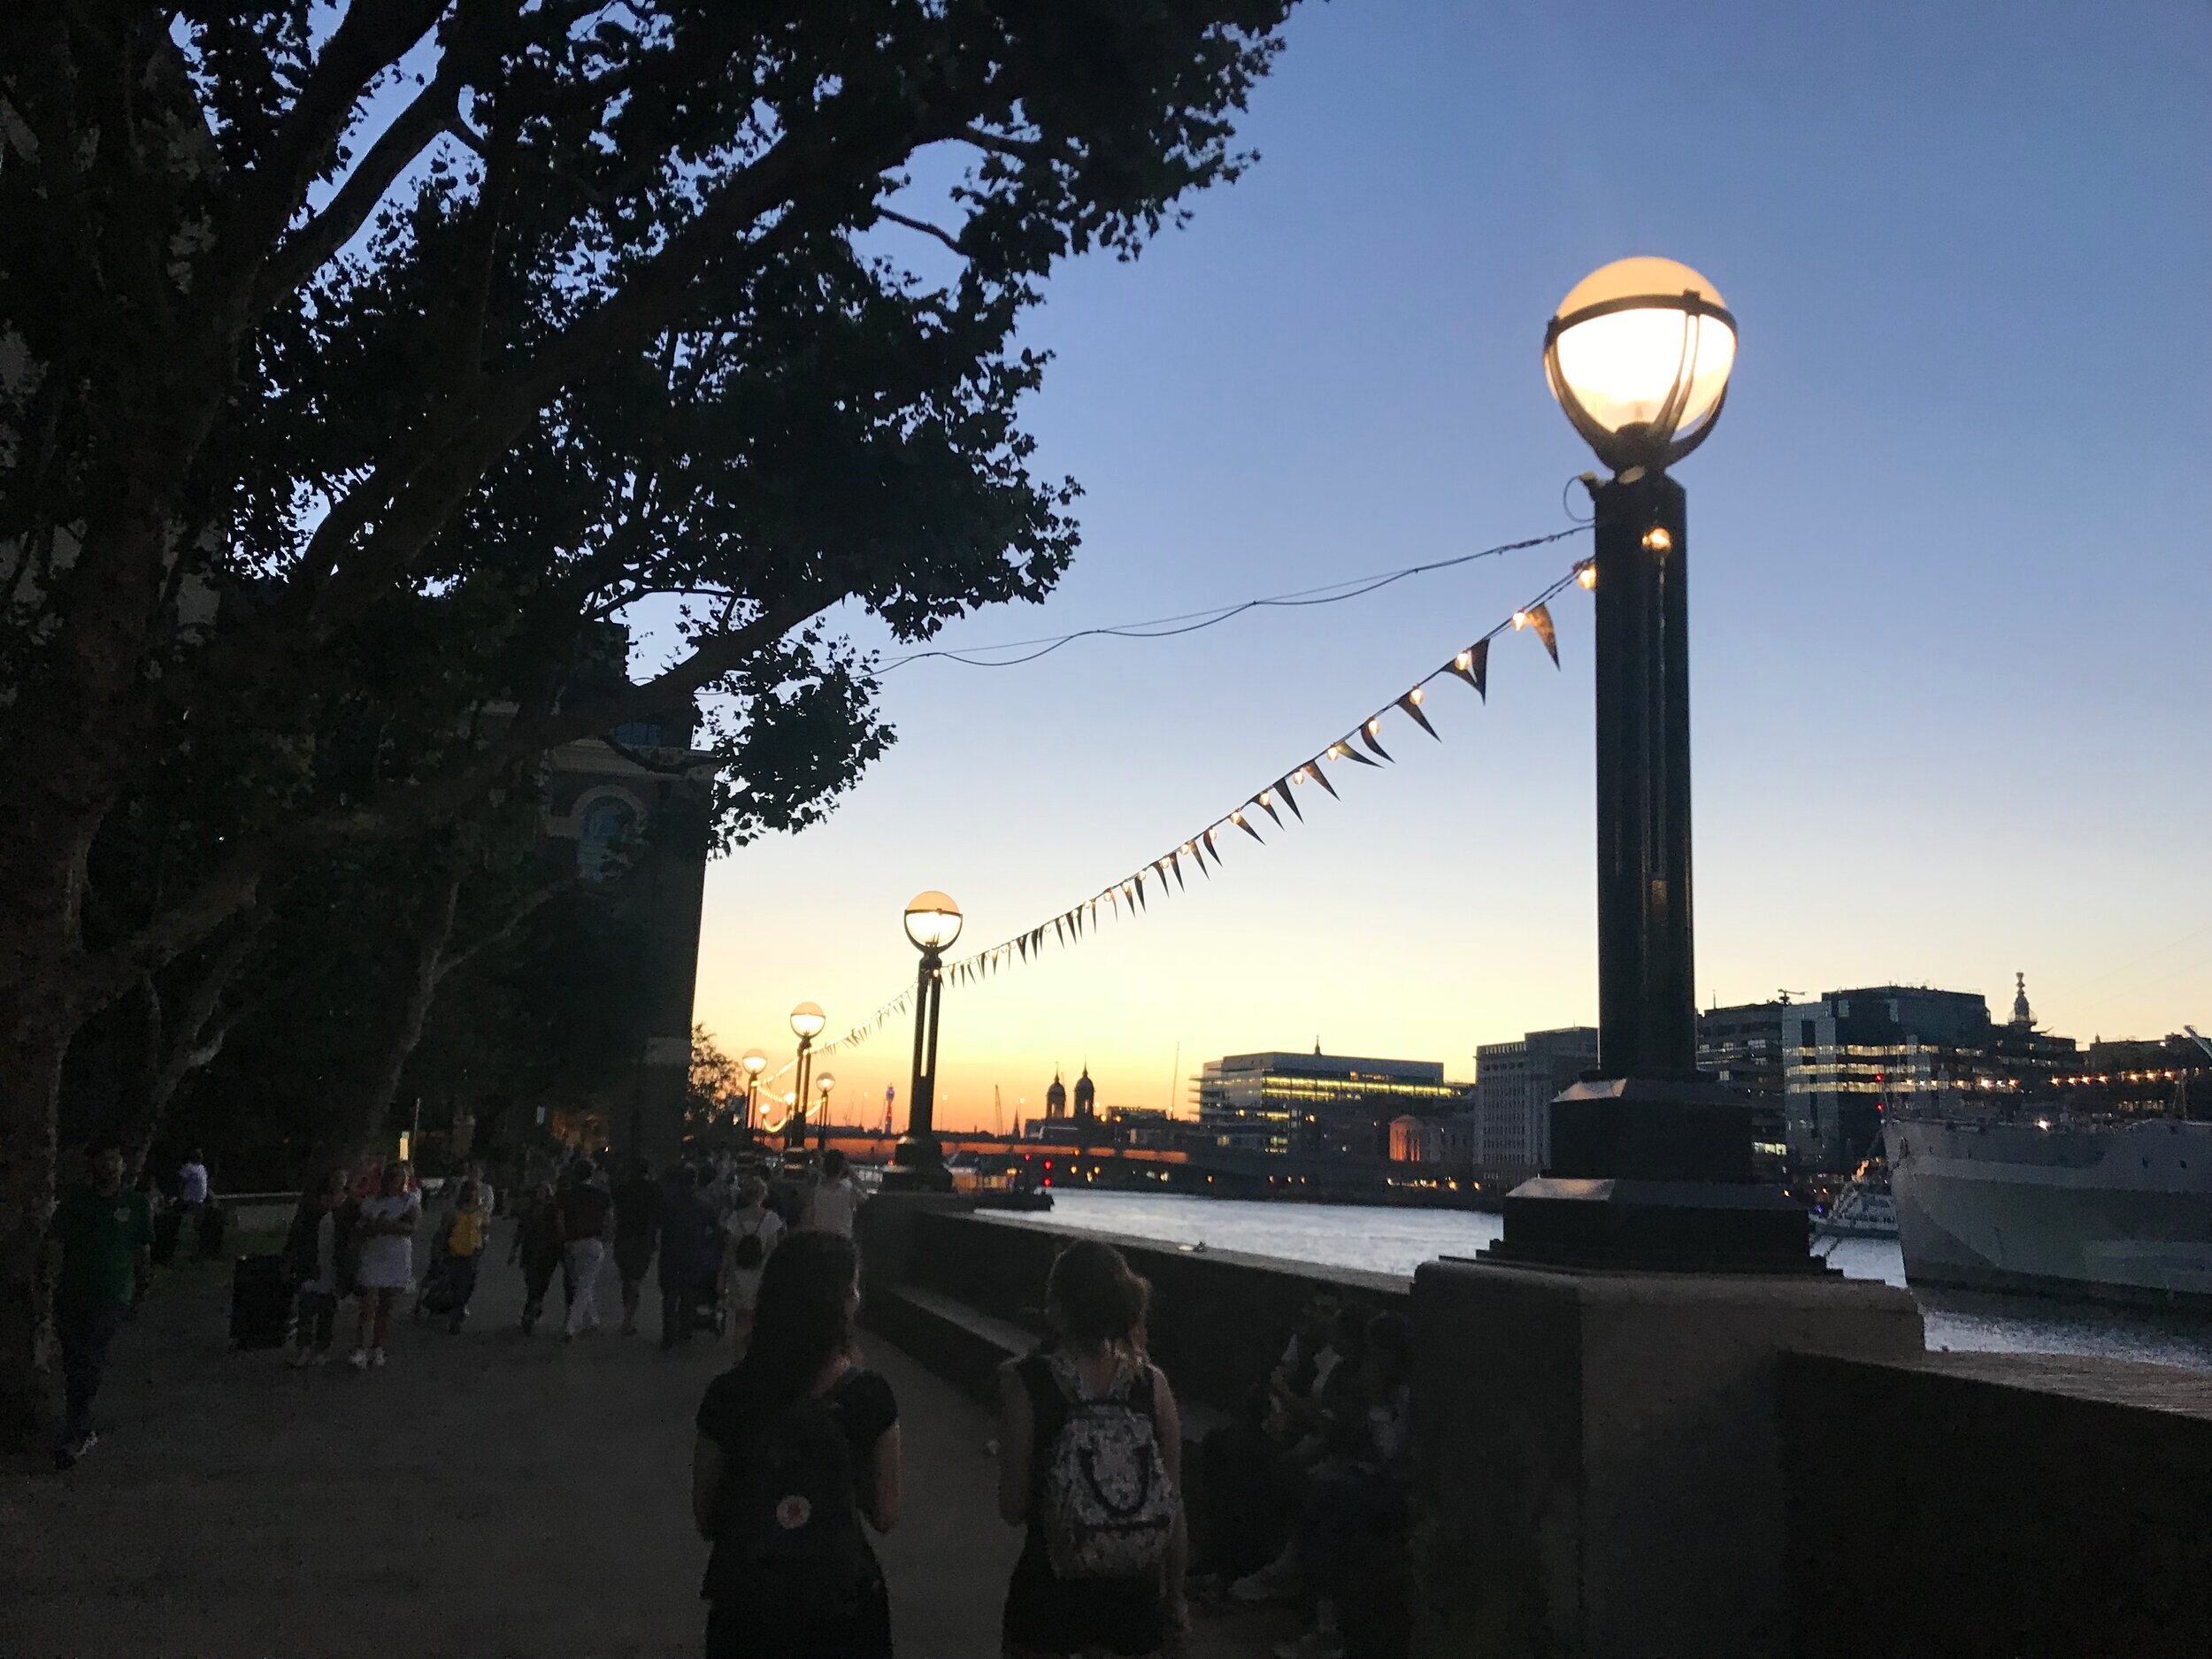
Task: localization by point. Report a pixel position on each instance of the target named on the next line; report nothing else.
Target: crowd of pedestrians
(798, 1455)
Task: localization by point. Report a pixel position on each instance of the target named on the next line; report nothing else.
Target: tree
(532, 309)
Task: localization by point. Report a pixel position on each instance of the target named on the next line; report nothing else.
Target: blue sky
(1949, 551)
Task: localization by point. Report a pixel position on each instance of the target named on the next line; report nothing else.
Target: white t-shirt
(192, 1184)
(764, 1224)
(387, 1259)
(830, 1207)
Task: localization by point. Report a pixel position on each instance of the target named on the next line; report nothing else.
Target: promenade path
(485, 1495)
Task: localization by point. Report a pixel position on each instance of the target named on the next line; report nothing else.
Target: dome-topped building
(1085, 1096)
(1057, 1098)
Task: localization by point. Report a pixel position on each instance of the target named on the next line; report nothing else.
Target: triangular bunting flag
(1473, 666)
(1539, 618)
(1207, 836)
(1411, 704)
(1283, 788)
(1141, 903)
(1265, 801)
(1312, 769)
(1060, 929)
(1367, 733)
(1345, 751)
(1175, 863)
(1237, 818)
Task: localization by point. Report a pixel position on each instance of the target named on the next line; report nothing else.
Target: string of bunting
(1361, 746)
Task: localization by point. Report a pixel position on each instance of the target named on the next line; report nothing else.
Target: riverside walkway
(485, 1495)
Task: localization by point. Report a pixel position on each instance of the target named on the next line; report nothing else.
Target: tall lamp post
(754, 1063)
(823, 1084)
(807, 1021)
(917, 1161)
(1651, 1165)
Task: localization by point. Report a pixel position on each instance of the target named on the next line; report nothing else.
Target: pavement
(484, 1494)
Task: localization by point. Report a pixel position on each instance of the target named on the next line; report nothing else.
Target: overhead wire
(1193, 621)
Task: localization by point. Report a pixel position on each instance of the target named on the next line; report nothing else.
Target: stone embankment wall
(1643, 1465)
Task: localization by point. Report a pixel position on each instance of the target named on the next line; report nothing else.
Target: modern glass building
(1317, 1103)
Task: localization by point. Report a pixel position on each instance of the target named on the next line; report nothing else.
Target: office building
(1856, 1053)
(1317, 1103)
(1514, 1086)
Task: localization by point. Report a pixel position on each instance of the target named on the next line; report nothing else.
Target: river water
(1393, 1241)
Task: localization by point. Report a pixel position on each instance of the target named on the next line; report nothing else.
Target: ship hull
(2110, 1214)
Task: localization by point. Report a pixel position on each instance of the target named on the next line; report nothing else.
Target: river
(1393, 1241)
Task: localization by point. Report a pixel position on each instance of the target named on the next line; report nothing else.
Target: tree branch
(926, 227)
(452, 965)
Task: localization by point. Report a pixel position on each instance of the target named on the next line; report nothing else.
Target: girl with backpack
(752, 1230)
(1090, 1460)
(798, 1443)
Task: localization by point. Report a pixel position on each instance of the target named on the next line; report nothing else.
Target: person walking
(385, 1248)
(749, 1237)
(311, 1248)
(587, 1216)
(464, 1232)
(104, 1233)
(638, 1206)
(538, 1246)
(690, 1255)
(798, 1443)
(832, 1198)
(1090, 1464)
(193, 1192)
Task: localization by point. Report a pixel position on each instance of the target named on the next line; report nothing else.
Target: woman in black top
(1098, 1306)
(797, 1443)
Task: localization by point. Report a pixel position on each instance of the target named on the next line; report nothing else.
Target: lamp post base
(1653, 1173)
(918, 1166)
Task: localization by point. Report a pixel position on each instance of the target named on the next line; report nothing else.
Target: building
(1743, 1047)
(631, 811)
(1854, 1053)
(1317, 1103)
(1515, 1083)
(1144, 1127)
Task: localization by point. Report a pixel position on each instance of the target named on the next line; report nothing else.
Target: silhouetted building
(1856, 1053)
(1742, 1046)
(1055, 1099)
(1514, 1086)
(1085, 1096)
(1317, 1102)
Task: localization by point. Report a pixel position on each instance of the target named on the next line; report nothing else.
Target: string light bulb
(1465, 661)
(1587, 576)
(1415, 695)
(1658, 540)
(1373, 727)
(1520, 619)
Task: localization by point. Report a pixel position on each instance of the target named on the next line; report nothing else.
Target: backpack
(1103, 1501)
(748, 1252)
(787, 1546)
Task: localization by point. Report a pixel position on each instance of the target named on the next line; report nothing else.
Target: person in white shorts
(387, 1262)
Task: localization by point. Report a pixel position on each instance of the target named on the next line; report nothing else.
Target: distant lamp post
(807, 1021)
(1651, 1165)
(823, 1084)
(917, 1161)
(754, 1063)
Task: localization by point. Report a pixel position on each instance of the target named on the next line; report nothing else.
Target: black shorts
(632, 1257)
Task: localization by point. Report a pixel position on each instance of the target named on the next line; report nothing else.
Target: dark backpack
(748, 1251)
(1102, 1499)
(788, 1545)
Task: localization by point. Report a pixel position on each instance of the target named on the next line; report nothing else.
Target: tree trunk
(434, 931)
(30, 1091)
(188, 1031)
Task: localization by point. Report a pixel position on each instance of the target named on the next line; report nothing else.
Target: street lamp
(917, 1161)
(807, 1021)
(1650, 1163)
(823, 1084)
(754, 1063)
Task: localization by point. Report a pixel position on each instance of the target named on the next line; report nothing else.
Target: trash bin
(167, 1224)
(260, 1301)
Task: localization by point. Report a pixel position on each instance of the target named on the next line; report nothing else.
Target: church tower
(2020, 1016)
(1055, 1099)
(1086, 1097)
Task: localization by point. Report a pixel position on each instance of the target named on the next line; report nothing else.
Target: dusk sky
(1951, 588)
